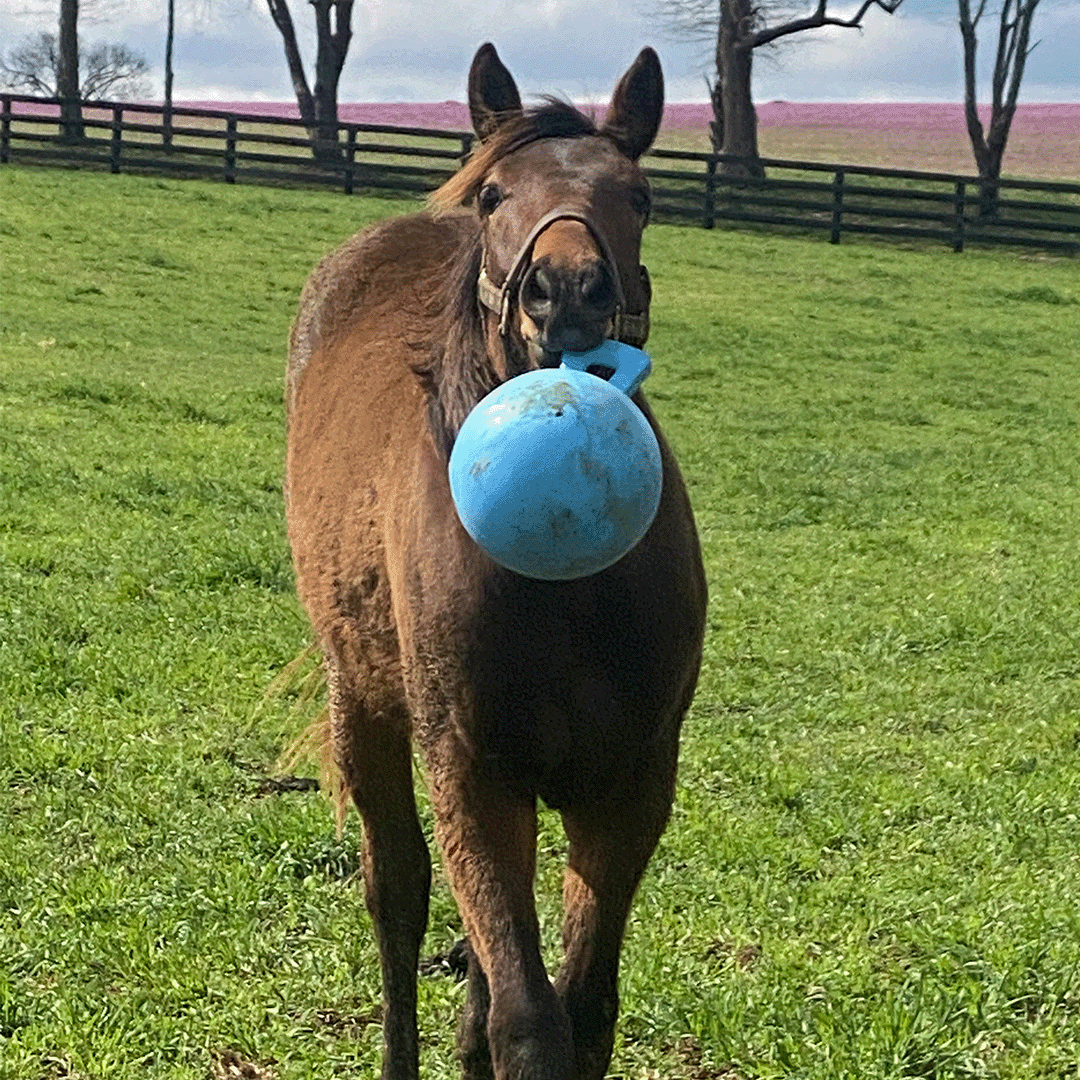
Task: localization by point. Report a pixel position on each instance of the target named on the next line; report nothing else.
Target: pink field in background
(451, 115)
(454, 115)
(1044, 142)
(892, 116)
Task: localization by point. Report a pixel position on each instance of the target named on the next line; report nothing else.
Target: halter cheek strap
(631, 328)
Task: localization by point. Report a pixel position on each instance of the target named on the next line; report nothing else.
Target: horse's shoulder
(367, 269)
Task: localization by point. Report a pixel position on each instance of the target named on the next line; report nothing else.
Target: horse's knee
(518, 1037)
(592, 1012)
(474, 1054)
(397, 881)
(530, 1041)
(594, 1038)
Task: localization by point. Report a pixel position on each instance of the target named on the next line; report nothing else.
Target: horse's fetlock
(531, 1044)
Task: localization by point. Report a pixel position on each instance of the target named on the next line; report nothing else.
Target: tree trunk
(976, 133)
(332, 19)
(989, 188)
(279, 12)
(734, 68)
(67, 72)
(716, 125)
(318, 110)
(166, 112)
(988, 145)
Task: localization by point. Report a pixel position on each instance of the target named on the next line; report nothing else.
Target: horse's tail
(306, 675)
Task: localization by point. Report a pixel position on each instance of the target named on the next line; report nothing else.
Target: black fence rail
(230, 146)
(688, 187)
(837, 199)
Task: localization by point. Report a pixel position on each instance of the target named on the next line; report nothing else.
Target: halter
(633, 329)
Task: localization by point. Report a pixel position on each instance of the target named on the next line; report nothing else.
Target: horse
(512, 690)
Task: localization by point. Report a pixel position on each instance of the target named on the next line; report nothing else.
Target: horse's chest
(553, 704)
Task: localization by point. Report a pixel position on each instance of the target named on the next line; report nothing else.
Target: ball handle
(632, 366)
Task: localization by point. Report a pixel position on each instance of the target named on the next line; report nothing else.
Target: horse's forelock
(555, 119)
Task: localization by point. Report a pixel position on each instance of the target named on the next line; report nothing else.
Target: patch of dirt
(745, 957)
(229, 1065)
(689, 1050)
(270, 785)
(352, 1025)
(264, 784)
(58, 1068)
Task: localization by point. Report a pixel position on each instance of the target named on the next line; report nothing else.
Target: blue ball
(556, 474)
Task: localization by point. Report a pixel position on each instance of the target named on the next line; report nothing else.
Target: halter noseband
(631, 328)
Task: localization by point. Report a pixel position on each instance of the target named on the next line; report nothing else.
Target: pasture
(873, 869)
(933, 137)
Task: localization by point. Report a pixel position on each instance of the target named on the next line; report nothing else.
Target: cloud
(890, 57)
(419, 50)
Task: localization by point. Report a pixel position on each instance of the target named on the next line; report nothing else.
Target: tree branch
(279, 12)
(818, 19)
(971, 110)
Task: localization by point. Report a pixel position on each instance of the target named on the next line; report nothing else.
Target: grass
(873, 870)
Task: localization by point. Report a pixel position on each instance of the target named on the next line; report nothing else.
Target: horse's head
(562, 204)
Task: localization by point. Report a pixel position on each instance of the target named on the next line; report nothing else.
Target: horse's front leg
(488, 839)
(372, 744)
(610, 845)
(473, 1049)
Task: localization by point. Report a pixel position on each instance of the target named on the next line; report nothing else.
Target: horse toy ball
(556, 473)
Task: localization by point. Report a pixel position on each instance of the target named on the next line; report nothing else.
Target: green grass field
(873, 870)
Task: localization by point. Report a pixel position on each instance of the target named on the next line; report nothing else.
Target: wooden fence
(230, 146)
(687, 187)
(834, 199)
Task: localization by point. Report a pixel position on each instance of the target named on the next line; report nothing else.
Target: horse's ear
(493, 94)
(633, 117)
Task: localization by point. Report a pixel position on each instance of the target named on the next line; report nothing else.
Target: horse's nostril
(537, 288)
(598, 287)
(562, 300)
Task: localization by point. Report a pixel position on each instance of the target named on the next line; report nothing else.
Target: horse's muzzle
(570, 308)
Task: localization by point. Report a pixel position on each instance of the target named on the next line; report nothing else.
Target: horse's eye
(490, 197)
(641, 201)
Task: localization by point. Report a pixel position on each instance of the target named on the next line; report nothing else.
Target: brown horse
(513, 689)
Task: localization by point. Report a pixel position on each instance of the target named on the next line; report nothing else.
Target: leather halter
(631, 328)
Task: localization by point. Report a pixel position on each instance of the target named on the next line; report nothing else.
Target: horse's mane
(457, 371)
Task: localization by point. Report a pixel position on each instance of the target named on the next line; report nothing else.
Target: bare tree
(1013, 49)
(32, 66)
(318, 107)
(735, 28)
(108, 70)
(67, 72)
(114, 72)
(170, 35)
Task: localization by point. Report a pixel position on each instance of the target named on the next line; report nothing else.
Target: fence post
(230, 150)
(466, 146)
(837, 205)
(117, 137)
(710, 193)
(959, 216)
(350, 159)
(5, 128)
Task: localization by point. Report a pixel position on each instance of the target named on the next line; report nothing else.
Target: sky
(420, 50)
